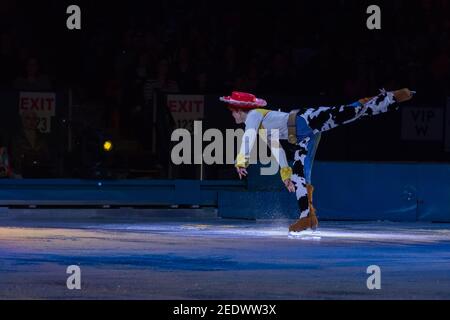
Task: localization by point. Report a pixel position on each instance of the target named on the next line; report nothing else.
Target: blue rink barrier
(71, 192)
(343, 191)
(351, 191)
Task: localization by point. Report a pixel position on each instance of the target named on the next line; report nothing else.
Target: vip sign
(186, 109)
(39, 104)
(423, 124)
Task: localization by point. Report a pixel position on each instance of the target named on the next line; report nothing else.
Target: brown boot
(312, 210)
(400, 96)
(365, 100)
(301, 225)
(309, 222)
(403, 95)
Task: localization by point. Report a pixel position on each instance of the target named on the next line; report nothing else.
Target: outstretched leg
(326, 118)
(323, 119)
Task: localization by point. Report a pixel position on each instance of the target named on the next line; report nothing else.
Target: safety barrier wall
(351, 191)
(59, 192)
(343, 191)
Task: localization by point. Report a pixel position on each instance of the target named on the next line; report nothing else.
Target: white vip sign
(447, 127)
(41, 104)
(186, 109)
(423, 124)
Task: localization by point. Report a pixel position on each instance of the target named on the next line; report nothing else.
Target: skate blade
(308, 234)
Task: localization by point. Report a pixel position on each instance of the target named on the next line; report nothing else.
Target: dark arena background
(93, 205)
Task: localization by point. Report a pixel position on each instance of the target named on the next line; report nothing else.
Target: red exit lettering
(185, 105)
(38, 104)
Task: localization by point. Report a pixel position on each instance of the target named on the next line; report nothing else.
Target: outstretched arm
(252, 124)
(285, 170)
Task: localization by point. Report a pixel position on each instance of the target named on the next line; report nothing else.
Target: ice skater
(303, 129)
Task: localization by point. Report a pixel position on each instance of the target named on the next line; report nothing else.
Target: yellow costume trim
(286, 173)
(241, 161)
(264, 112)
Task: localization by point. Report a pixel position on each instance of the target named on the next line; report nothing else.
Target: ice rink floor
(181, 257)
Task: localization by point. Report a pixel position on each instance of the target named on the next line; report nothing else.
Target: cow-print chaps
(326, 118)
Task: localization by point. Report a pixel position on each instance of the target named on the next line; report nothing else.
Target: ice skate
(403, 95)
(400, 95)
(302, 224)
(310, 222)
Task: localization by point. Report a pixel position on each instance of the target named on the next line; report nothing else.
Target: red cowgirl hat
(244, 100)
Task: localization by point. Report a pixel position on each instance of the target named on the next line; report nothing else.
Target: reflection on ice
(342, 231)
